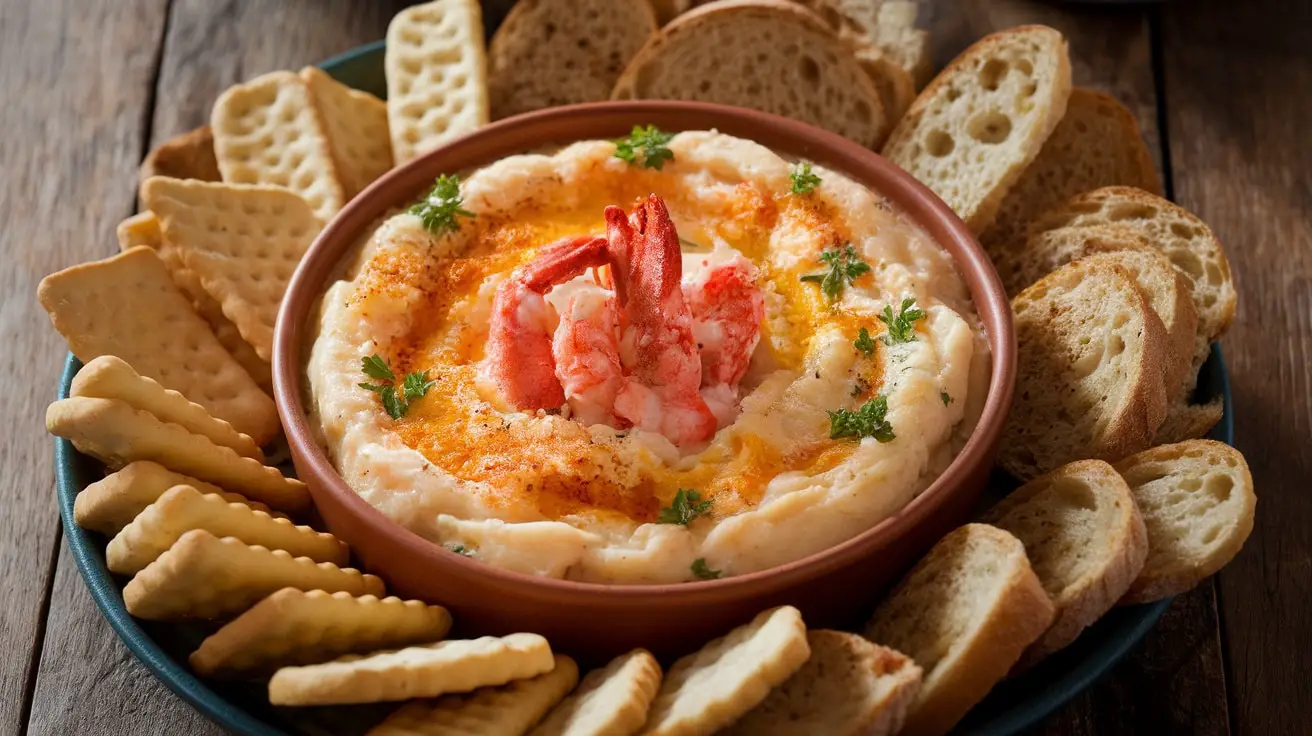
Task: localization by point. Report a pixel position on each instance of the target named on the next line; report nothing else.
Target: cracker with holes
(202, 576)
(436, 75)
(183, 508)
(112, 502)
(356, 125)
(186, 156)
(427, 671)
(114, 432)
(296, 627)
(110, 377)
(509, 710)
(129, 306)
(266, 131)
(611, 700)
(243, 242)
(709, 689)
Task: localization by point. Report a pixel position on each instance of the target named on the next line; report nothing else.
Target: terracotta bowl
(832, 588)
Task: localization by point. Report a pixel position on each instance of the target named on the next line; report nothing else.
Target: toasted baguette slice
(1096, 144)
(1089, 370)
(1185, 239)
(1197, 502)
(549, 53)
(849, 687)
(897, 36)
(975, 129)
(964, 613)
(1085, 539)
(1188, 421)
(768, 55)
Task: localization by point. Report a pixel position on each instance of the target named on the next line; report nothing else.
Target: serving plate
(243, 708)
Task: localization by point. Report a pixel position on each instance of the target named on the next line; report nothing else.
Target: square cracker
(427, 671)
(509, 710)
(129, 306)
(110, 377)
(710, 688)
(267, 132)
(356, 125)
(243, 242)
(295, 627)
(611, 700)
(202, 576)
(186, 156)
(117, 434)
(436, 75)
(139, 229)
(183, 508)
(112, 502)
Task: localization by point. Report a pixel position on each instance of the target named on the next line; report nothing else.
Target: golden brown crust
(186, 156)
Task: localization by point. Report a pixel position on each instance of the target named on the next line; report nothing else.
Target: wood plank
(76, 78)
(1174, 682)
(1236, 78)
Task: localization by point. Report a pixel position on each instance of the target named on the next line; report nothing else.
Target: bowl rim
(795, 139)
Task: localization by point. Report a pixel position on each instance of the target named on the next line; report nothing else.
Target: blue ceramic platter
(243, 708)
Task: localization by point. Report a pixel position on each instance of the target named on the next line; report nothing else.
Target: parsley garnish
(703, 572)
(868, 421)
(439, 208)
(687, 505)
(804, 182)
(946, 399)
(844, 268)
(415, 386)
(901, 328)
(651, 142)
(864, 342)
(461, 549)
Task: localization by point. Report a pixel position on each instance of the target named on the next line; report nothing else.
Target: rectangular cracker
(139, 229)
(294, 627)
(186, 156)
(509, 710)
(243, 242)
(112, 502)
(436, 68)
(612, 699)
(110, 377)
(202, 576)
(117, 434)
(267, 132)
(414, 672)
(183, 508)
(129, 306)
(356, 125)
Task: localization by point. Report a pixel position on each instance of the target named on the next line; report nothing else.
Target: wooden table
(1220, 88)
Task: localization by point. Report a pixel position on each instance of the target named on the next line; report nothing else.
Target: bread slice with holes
(899, 38)
(1089, 373)
(1085, 540)
(1197, 502)
(768, 55)
(849, 686)
(964, 613)
(1096, 144)
(976, 128)
(549, 53)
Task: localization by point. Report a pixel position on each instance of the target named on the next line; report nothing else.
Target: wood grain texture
(76, 78)
(1236, 78)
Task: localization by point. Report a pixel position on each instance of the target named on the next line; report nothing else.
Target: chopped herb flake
(845, 266)
(868, 421)
(375, 367)
(901, 328)
(416, 385)
(440, 207)
(946, 398)
(703, 572)
(864, 342)
(687, 505)
(645, 147)
(461, 549)
(804, 182)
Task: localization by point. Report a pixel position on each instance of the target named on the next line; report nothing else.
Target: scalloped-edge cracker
(356, 125)
(295, 627)
(186, 156)
(183, 508)
(128, 305)
(610, 701)
(508, 710)
(455, 666)
(117, 434)
(112, 502)
(710, 688)
(202, 576)
(110, 377)
(266, 131)
(436, 75)
(243, 241)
